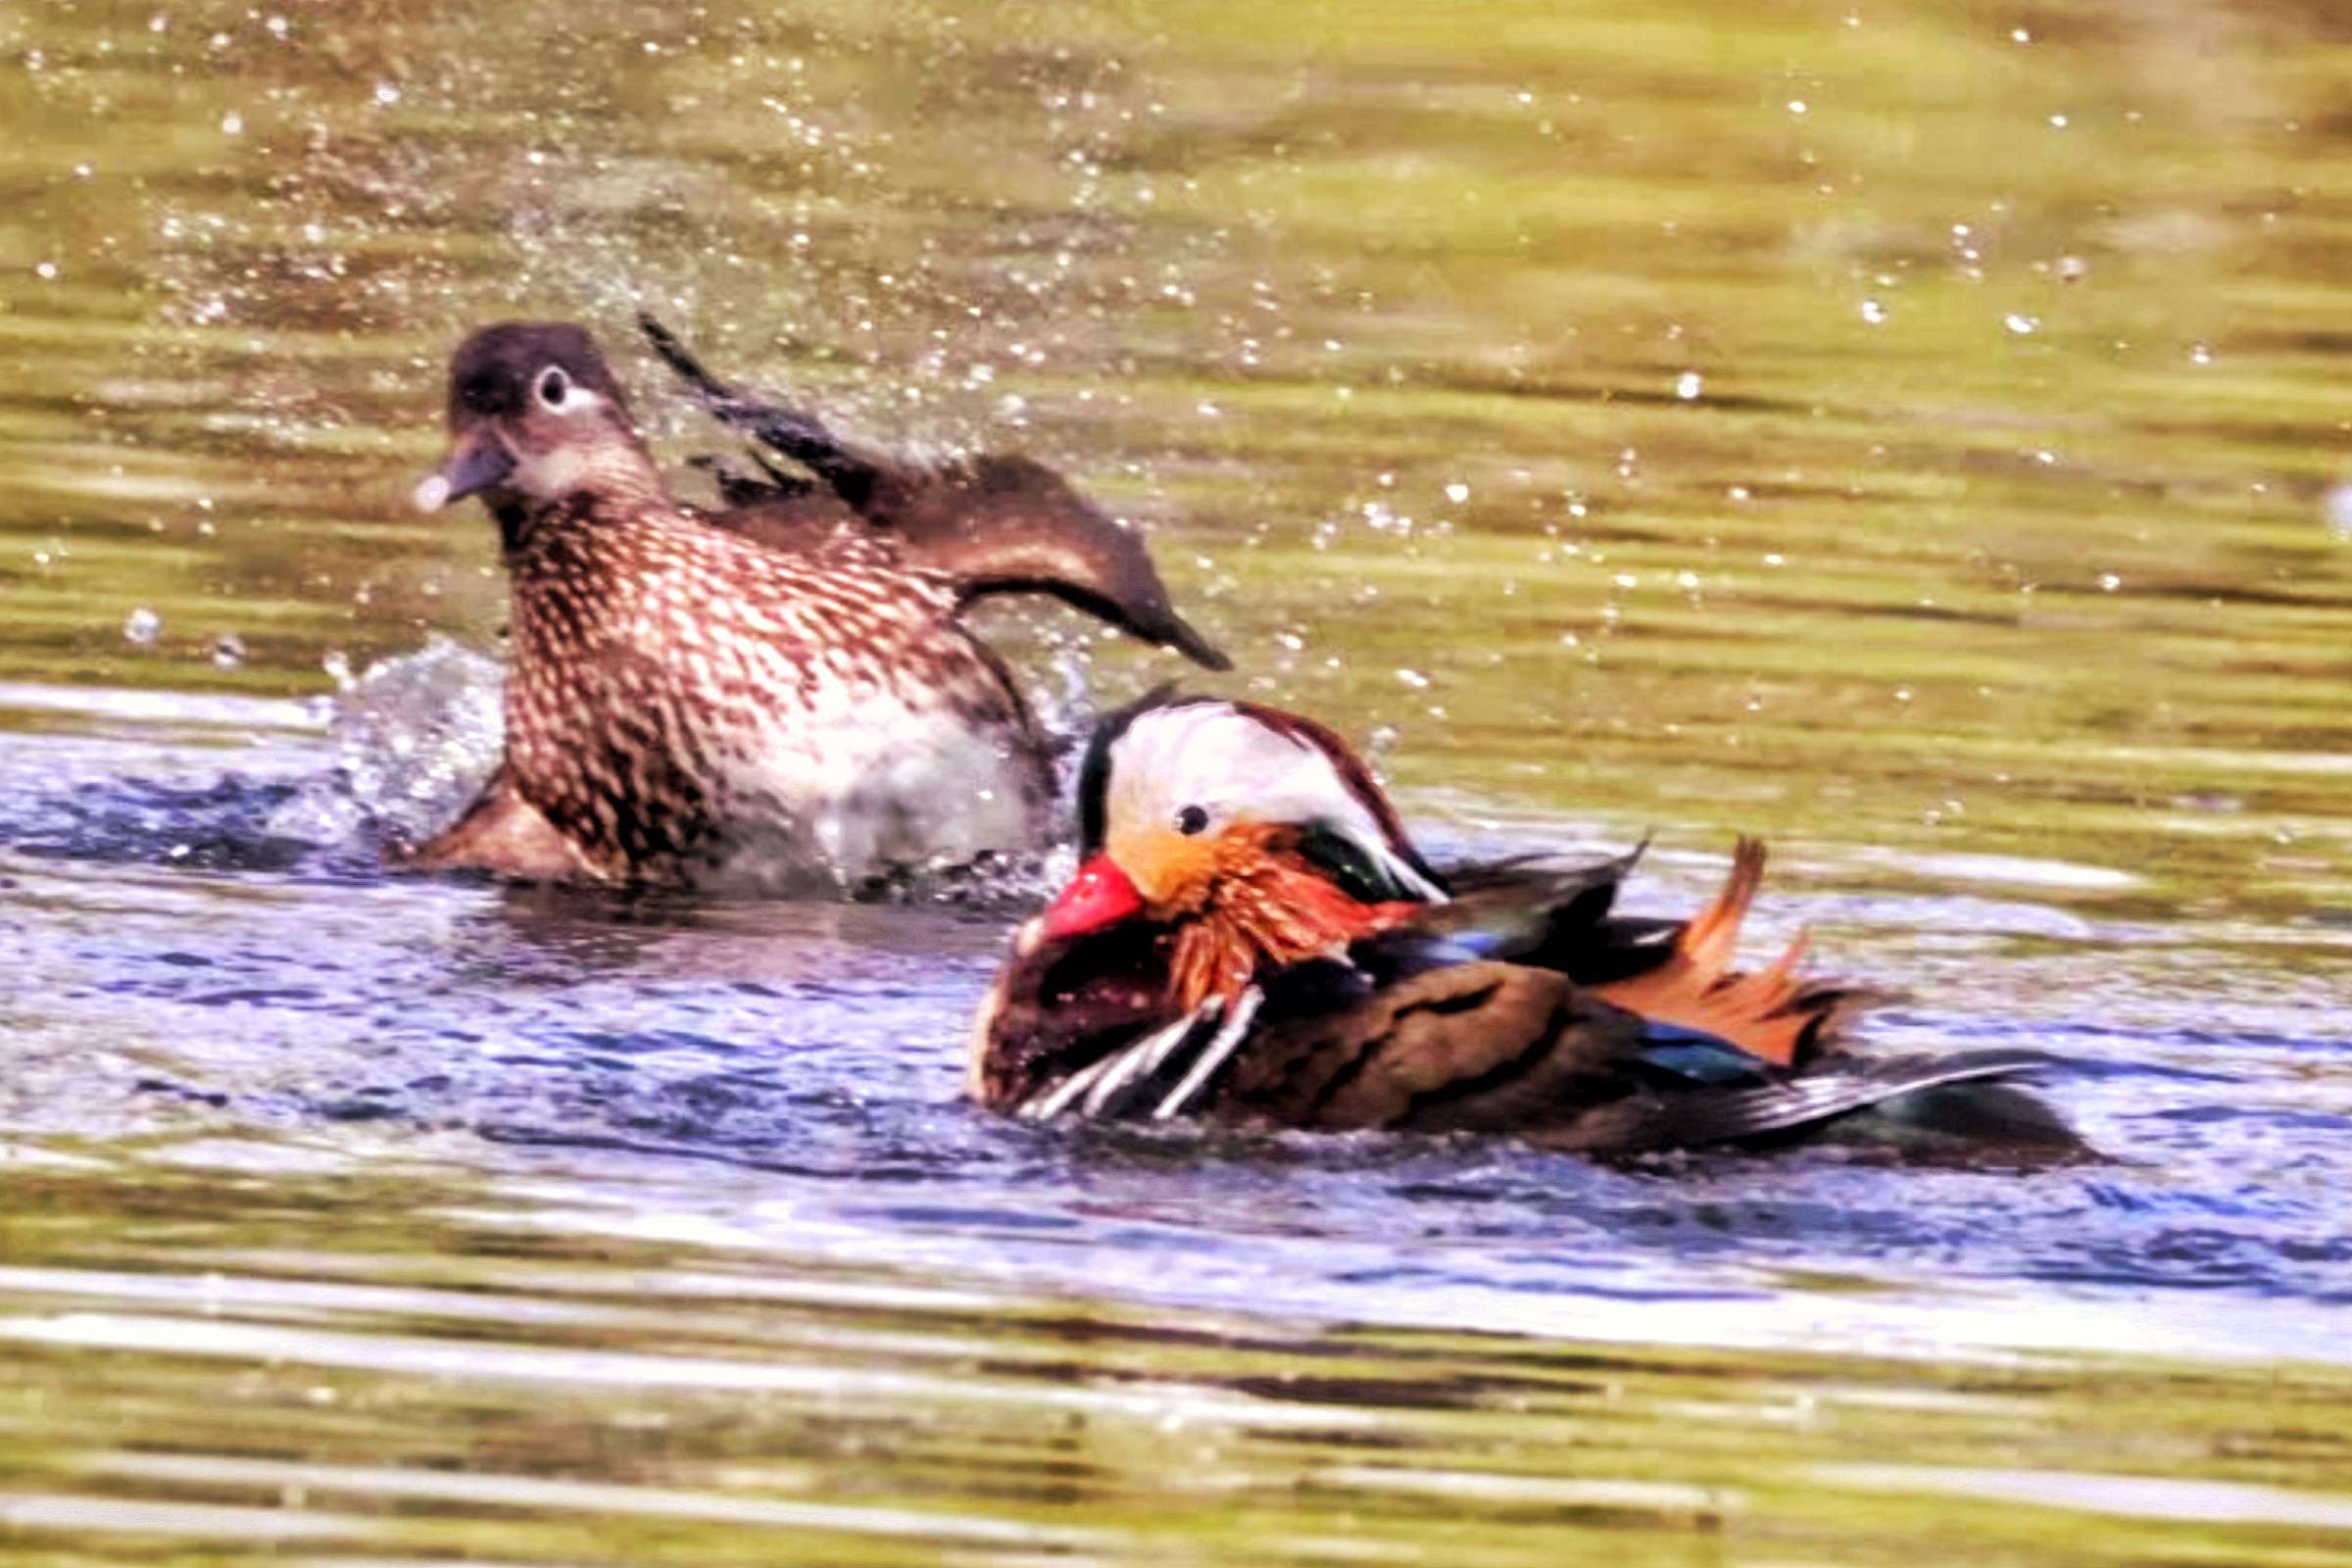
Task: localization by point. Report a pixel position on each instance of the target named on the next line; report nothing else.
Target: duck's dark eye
(1191, 819)
(554, 386)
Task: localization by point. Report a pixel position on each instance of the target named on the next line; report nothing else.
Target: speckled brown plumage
(683, 697)
(661, 668)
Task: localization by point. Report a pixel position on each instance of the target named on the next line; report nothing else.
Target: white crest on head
(1230, 767)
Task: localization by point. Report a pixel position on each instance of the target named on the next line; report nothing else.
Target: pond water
(1911, 431)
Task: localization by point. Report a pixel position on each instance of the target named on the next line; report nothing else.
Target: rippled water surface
(1916, 432)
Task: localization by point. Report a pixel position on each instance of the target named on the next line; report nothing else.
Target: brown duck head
(536, 420)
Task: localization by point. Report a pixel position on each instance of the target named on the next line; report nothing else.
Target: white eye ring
(554, 386)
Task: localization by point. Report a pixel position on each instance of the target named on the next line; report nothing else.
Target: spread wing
(993, 524)
(853, 473)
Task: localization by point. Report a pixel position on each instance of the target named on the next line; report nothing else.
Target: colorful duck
(1253, 938)
(689, 697)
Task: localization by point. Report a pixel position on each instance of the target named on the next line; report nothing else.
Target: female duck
(685, 698)
(1253, 938)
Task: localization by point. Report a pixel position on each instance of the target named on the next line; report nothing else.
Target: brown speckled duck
(686, 700)
(1251, 938)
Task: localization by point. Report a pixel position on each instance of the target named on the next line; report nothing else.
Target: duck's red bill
(1099, 895)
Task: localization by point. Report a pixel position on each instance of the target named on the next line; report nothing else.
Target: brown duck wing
(1505, 1049)
(1010, 525)
(1493, 1047)
(811, 522)
(853, 473)
(993, 524)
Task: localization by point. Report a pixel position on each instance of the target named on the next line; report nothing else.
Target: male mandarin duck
(1253, 938)
(689, 698)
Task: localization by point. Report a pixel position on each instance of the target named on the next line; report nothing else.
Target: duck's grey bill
(477, 465)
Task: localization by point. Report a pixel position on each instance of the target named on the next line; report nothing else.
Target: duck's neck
(1279, 911)
(593, 486)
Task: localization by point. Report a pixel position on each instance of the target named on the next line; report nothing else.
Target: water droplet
(387, 93)
(1797, 106)
(2020, 35)
(46, 272)
(1457, 492)
(142, 625)
(1413, 678)
(2199, 353)
(228, 650)
(2338, 506)
(2072, 268)
(1874, 313)
(2021, 324)
(337, 666)
(2109, 582)
(2058, 122)
(1688, 385)
(232, 123)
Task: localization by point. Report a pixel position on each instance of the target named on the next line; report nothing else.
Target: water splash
(415, 737)
(418, 735)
